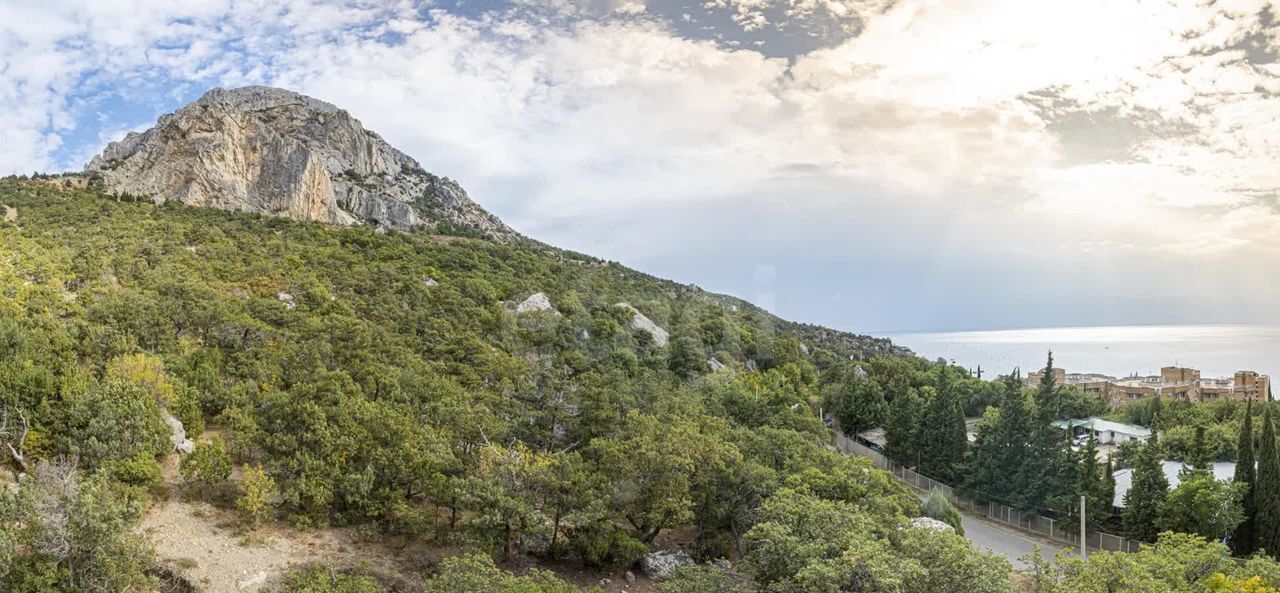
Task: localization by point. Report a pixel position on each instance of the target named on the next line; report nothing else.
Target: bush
(140, 470)
(208, 465)
(258, 493)
(938, 507)
(321, 579)
(605, 545)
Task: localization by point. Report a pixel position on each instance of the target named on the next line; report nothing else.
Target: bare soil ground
(208, 546)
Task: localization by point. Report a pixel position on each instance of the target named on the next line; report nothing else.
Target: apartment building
(1173, 382)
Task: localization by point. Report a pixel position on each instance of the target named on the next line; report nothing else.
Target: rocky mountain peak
(274, 151)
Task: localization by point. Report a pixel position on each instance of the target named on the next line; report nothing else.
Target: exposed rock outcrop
(641, 323)
(930, 524)
(661, 565)
(178, 435)
(272, 151)
(10, 213)
(536, 302)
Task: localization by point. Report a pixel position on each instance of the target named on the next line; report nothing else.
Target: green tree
(857, 404)
(904, 413)
(207, 465)
(1202, 505)
(1267, 497)
(656, 466)
(1090, 482)
(258, 493)
(1242, 540)
(1146, 496)
(65, 532)
(941, 435)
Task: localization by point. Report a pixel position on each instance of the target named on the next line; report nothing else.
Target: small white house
(1106, 431)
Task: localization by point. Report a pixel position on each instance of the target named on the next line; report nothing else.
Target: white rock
(536, 302)
(716, 365)
(287, 299)
(178, 435)
(644, 324)
(10, 214)
(930, 524)
(256, 580)
(429, 281)
(660, 565)
(860, 373)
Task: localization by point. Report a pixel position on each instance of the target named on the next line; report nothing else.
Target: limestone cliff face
(272, 151)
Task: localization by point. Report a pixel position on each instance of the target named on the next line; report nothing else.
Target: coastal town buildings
(1173, 382)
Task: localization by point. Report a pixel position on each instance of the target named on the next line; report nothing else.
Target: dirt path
(207, 547)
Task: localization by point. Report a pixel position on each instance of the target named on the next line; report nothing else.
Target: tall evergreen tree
(940, 435)
(1047, 392)
(1002, 446)
(1109, 486)
(1147, 493)
(1242, 541)
(1267, 490)
(1199, 458)
(1047, 475)
(1090, 483)
(900, 431)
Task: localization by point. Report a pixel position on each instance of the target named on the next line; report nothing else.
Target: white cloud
(594, 110)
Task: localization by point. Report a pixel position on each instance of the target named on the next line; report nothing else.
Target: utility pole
(1084, 542)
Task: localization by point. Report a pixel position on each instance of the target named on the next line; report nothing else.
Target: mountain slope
(272, 151)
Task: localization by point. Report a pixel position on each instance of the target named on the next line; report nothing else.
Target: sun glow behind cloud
(1105, 139)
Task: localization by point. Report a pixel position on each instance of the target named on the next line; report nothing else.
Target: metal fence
(1067, 532)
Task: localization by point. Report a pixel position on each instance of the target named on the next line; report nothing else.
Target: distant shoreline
(1218, 350)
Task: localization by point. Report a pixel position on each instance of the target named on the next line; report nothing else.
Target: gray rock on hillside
(641, 323)
(272, 151)
(536, 302)
(178, 435)
(930, 524)
(661, 565)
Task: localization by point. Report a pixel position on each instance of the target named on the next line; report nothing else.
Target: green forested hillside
(385, 381)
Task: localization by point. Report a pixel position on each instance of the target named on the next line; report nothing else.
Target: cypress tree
(1090, 483)
(1109, 486)
(1047, 475)
(901, 428)
(994, 461)
(1267, 493)
(1147, 493)
(941, 435)
(1242, 541)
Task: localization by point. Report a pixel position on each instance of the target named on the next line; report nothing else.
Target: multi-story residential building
(1173, 382)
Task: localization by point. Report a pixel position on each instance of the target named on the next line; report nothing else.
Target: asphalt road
(1005, 541)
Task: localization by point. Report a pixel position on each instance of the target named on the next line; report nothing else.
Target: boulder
(660, 565)
(641, 323)
(860, 373)
(429, 281)
(536, 302)
(10, 214)
(178, 435)
(716, 365)
(930, 524)
(287, 299)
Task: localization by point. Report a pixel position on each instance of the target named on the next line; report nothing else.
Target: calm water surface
(1217, 350)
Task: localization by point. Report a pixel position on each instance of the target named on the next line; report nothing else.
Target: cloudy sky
(872, 165)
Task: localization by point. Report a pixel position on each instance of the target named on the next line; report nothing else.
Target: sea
(1217, 350)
